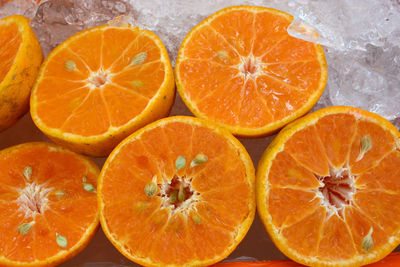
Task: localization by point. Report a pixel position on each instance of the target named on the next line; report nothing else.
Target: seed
(70, 65)
(28, 172)
(139, 59)
(368, 242)
(24, 228)
(196, 218)
(365, 146)
(150, 189)
(181, 193)
(84, 179)
(180, 162)
(198, 160)
(62, 241)
(137, 83)
(173, 197)
(89, 187)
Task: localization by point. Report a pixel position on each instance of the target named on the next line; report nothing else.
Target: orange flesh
(244, 69)
(221, 195)
(69, 215)
(104, 90)
(332, 226)
(10, 41)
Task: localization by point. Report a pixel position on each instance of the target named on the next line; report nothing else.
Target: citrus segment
(327, 188)
(250, 78)
(185, 186)
(102, 83)
(20, 59)
(48, 204)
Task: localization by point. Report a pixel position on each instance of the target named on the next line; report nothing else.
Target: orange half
(48, 205)
(178, 192)
(20, 59)
(241, 69)
(328, 188)
(100, 85)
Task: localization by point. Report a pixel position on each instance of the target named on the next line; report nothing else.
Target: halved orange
(20, 59)
(100, 85)
(241, 69)
(328, 188)
(178, 192)
(48, 206)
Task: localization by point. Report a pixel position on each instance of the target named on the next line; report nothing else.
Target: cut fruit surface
(20, 59)
(178, 192)
(47, 204)
(241, 69)
(100, 85)
(328, 188)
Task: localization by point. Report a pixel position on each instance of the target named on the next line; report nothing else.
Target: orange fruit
(20, 59)
(48, 205)
(178, 192)
(100, 85)
(241, 69)
(328, 188)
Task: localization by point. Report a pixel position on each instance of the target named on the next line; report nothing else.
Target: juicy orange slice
(178, 192)
(328, 188)
(20, 59)
(48, 204)
(241, 69)
(100, 85)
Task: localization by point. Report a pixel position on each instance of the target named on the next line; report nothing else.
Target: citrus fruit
(178, 192)
(100, 85)
(241, 69)
(328, 189)
(20, 59)
(48, 204)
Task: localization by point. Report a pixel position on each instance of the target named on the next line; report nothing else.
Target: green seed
(196, 218)
(139, 59)
(70, 65)
(89, 187)
(28, 172)
(181, 193)
(198, 160)
(365, 146)
(173, 197)
(62, 241)
(24, 228)
(180, 162)
(150, 189)
(368, 242)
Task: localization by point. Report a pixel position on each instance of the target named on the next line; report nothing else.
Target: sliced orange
(48, 205)
(100, 85)
(178, 192)
(20, 59)
(328, 188)
(241, 69)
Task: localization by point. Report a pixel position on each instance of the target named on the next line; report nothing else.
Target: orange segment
(305, 147)
(382, 143)
(335, 243)
(20, 59)
(337, 146)
(321, 202)
(241, 69)
(186, 213)
(56, 197)
(100, 85)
